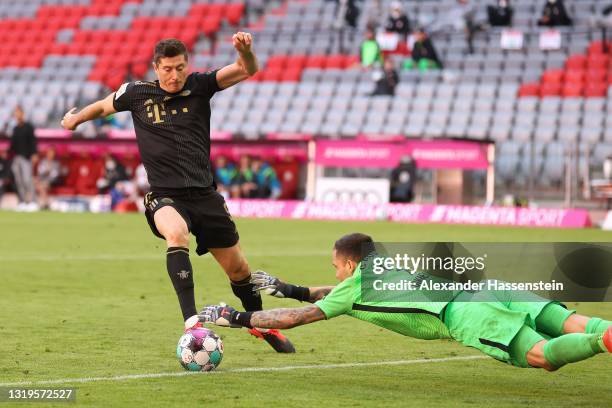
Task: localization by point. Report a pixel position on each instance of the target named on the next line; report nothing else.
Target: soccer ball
(199, 349)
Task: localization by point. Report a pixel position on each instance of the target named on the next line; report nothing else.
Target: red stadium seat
(234, 13)
(574, 76)
(576, 62)
(550, 89)
(216, 10)
(257, 77)
(529, 90)
(598, 61)
(277, 61)
(291, 75)
(334, 62)
(315, 61)
(272, 74)
(596, 90)
(211, 24)
(596, 75)
(351, 60)
(596, 47)
(297, 61)
(553, 76)
(571, 89)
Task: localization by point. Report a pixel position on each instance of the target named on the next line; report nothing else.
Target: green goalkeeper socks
(597, 326)
(573, 347)
(551, 319)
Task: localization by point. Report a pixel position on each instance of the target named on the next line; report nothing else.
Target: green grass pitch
(85, 295)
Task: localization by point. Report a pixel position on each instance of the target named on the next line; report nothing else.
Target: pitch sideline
(240, 370)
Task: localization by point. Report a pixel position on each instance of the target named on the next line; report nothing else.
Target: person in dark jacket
(501, 14)
(424, 55)
(554, 14)
(24, 149)
(388, 80)
(398, 21)
(403, 178)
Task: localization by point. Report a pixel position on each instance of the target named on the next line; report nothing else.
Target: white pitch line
(241, 370)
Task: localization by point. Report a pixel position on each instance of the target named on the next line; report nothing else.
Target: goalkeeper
(541, 334)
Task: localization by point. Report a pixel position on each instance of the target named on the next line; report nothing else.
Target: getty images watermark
(526, 272)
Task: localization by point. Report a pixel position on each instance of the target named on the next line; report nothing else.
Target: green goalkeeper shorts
(484, 321)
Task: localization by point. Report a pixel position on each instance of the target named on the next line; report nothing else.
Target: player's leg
(529, 349)
(173, 227)
(555, 320)
(551, 318)
(236, 267)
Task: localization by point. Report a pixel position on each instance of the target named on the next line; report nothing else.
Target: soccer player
(541, 334)
(172, 121)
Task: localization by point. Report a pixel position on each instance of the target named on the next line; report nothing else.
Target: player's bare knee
(177, 237)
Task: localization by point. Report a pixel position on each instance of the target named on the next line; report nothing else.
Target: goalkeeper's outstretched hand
(220, 315)
(268, 284)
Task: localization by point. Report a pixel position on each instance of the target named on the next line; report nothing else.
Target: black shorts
(203, 209)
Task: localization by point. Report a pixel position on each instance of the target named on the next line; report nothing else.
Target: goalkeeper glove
(225, 316)
(273, 286)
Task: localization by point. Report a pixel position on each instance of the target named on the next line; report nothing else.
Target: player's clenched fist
(69, 121)
(242, 42)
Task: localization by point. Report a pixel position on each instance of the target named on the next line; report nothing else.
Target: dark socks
(181, 275)
(251, 301)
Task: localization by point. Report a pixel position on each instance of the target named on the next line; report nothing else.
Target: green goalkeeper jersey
(415, 319)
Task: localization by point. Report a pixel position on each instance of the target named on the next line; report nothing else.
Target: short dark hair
(168, 48)
(351, 245)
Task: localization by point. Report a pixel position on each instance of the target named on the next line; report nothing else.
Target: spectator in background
(225, 177)
(24, 149)
(398, 21)
(501, 14)
(554, 14)
(347, 13)
(370, 50)
(4, 172)
(268, 185)
(141, 180)
(48, 175)
(424, 55)
(403, 178)
(245, 180)
(113, 173)
(388, 79)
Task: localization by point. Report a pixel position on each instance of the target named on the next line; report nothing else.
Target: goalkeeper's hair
(168, 48)
(353, 246)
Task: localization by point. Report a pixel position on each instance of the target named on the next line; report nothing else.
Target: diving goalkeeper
(540, 334)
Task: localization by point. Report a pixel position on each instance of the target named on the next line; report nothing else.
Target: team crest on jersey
(148, 102)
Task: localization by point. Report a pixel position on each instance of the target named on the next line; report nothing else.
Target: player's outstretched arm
(244, 67)
(227, 316)
(273, 286)
(98, 109)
